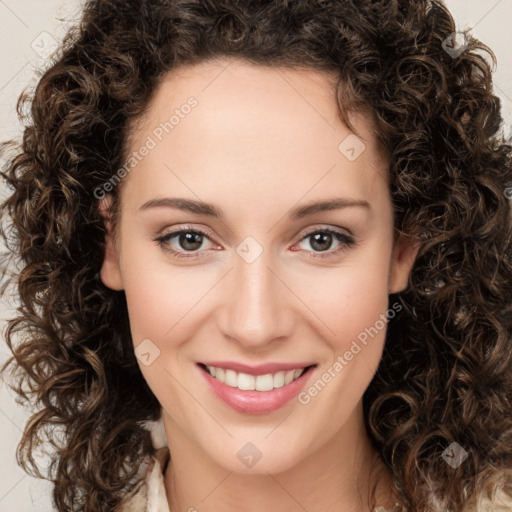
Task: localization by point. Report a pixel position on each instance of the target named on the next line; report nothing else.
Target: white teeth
(220, 374)
(289, 376)
(248, 382)
(231, 378)
(264, 382)
(278, 380)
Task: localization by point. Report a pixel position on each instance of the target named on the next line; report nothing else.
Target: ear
(110, 269)
(402, 261)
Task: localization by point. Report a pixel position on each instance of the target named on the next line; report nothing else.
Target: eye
(321, 241)
(188, 240)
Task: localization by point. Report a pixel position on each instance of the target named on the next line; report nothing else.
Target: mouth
(255, 394)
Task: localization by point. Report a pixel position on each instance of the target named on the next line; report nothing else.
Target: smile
(255, 394)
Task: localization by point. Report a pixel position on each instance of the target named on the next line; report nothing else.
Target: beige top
(149, 495)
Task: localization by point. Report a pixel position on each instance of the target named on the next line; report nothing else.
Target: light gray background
(26, 31)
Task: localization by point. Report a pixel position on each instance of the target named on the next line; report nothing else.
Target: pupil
(187, 241)
(318, 237)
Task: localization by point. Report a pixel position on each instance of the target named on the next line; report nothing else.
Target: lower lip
(256, 402)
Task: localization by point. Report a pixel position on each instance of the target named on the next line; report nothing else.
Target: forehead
(253, 127)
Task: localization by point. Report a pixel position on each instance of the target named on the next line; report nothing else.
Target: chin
(264, 460)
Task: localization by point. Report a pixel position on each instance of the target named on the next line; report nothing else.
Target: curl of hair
(446, 371)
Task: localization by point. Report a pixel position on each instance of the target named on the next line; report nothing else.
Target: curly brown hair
(446, 371)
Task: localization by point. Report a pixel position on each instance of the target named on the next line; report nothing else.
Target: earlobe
(110, 269)
(403, 258)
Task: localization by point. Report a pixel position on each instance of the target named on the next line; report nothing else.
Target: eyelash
(346, 241)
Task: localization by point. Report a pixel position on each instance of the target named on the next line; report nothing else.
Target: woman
(279, 231)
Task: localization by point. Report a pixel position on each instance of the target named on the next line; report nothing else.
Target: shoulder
(149, 494)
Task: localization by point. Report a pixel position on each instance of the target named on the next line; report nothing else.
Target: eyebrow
(202, 208)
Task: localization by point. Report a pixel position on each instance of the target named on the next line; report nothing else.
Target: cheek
(350, 298)
(159, 294)
(148, 303)
(366, 300)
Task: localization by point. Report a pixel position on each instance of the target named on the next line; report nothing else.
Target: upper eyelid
(328, 228)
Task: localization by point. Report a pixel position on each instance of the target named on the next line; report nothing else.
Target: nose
(257, 304)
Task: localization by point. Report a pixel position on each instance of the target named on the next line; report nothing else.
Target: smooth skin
(261, 142)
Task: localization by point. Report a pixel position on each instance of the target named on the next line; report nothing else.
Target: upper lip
(260, 369)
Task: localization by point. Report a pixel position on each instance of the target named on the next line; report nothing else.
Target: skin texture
(260, 142)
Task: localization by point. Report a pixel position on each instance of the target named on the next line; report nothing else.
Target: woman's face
(261, 275)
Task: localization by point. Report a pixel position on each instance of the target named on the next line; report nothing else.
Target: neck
(340, 475)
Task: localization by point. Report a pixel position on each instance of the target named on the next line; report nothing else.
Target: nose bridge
(258, 306)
